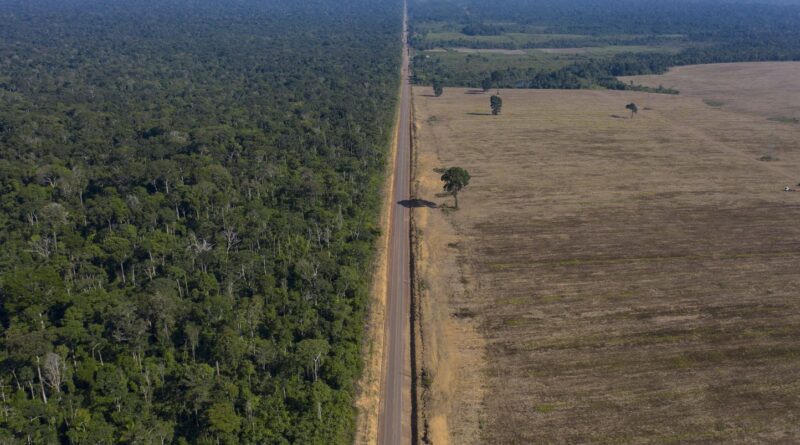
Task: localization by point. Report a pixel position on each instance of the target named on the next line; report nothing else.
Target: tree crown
(455, 179)
(496, 102)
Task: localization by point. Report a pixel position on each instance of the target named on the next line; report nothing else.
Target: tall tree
(496, 102)
(633, 109)
(455, 179)
(437, 87)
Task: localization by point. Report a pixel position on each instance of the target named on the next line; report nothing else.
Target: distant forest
(188, 207)
(709, 31)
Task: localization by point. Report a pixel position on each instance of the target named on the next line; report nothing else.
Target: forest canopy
(642, 37)
(189, 191)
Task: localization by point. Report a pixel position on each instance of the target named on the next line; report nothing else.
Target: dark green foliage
(481, 29)
(686, 32)
(455, 179)
(188, 201)
(632, 108)
(486, 84)
(437, 88)
(496, 76)
(496, 103)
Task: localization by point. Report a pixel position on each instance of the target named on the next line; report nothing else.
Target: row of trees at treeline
(188, 201)
(495, 102)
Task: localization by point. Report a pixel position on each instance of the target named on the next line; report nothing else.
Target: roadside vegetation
(585, 44)
(188, 204)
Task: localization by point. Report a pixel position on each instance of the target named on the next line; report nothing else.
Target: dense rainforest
(188, 195)
(674, 33)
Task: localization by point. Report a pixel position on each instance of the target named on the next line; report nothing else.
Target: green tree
(486, 84)
(118, 250)
(455, 179)
(311, 353)
(223, 420)
(633, 109)
(437, 87)
(53, 216)
(496, 102)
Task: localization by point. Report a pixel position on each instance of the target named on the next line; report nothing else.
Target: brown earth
(607, 279)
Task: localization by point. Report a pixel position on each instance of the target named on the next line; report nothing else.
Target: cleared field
(768, 89)
(511, 52)
(506, 38)
(609, 280)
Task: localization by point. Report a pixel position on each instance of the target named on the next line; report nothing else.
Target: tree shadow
(417, 203)
(443, 194)
(479, 114)
(617, 116)
(428, 95)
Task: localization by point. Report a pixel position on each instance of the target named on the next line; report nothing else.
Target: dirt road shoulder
(449, 379)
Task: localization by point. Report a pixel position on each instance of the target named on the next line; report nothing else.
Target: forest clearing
(610, 278)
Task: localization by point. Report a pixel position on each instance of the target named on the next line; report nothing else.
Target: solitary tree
(634, 109)
(455, 179)
(486, 84)
(497, 104)
(437, 87)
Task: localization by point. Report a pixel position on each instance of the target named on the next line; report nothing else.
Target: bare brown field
(768, 89)
(609, 280)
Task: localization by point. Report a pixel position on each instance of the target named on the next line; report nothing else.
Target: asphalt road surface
(393, 428)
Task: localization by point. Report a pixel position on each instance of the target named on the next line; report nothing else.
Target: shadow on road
(416, 203)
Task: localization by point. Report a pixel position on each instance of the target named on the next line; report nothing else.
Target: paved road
(393, 428)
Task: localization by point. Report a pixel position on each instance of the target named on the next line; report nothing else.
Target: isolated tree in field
(497, 104)
(455, 179)
(486, 84)
(437, 87)
(633, 108)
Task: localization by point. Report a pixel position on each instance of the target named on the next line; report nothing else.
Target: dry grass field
(762, 88)
(610, 280)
